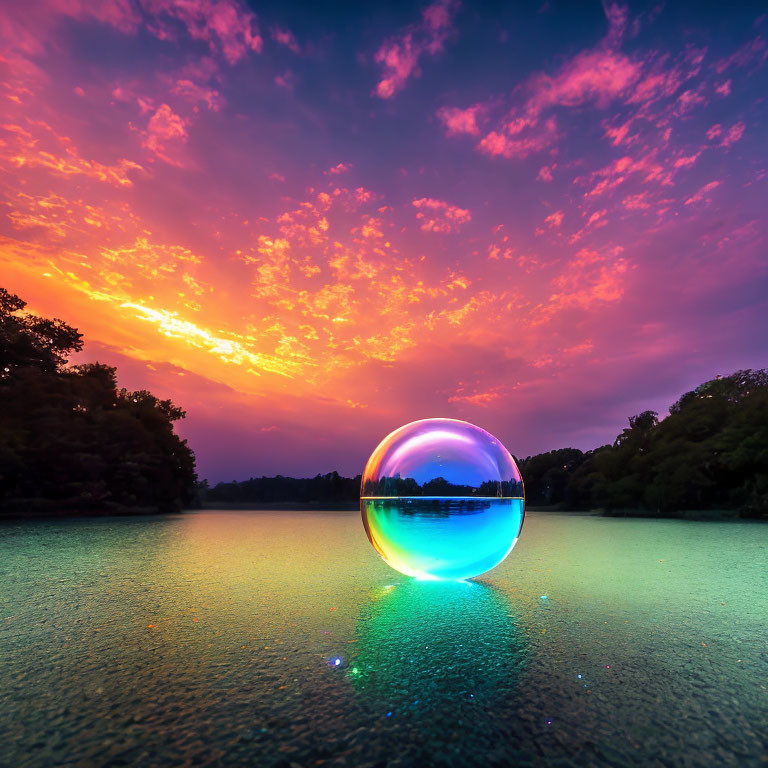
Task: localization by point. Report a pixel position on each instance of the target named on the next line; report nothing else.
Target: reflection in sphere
(442, 499)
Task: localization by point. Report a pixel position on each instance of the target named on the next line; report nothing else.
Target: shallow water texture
(282, 639)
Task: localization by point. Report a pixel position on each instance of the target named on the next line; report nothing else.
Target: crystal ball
(442, 499)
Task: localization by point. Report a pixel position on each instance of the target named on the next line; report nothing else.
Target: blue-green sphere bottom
(451, 538)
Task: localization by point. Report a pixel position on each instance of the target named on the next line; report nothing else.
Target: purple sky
(309, 223)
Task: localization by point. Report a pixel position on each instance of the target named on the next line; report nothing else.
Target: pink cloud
(338, 169)
(596, 77)
(646, 167)
(619, 134)
(723, 89)
(120, 14)
(605, 185)
(287, 38)
(535, 138)
(715, 131)
(545, 172)
(688, 100)
(686, 161)
(286, 80)
(701, 194)
(225, 25)
(638, 202)
(591, 277)
(165, 128)
(655, 85)
(755, 52)
(399, 56)
(661, 80)
(196, 93)
(553, 221)
(459, 121)
(617, 22)
(734, 134)
(439, 216)
(596, 220)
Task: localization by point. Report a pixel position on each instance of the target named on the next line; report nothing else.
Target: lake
(282, 639)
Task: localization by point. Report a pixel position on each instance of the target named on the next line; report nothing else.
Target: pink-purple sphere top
(441, 457)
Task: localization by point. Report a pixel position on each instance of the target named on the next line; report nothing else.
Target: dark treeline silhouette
(333, 489)
(438, 486)
(322, 490)
(709, 453)
(71, 442)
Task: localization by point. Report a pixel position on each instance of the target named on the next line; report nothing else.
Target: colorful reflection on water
(426, 648)
(443, 538)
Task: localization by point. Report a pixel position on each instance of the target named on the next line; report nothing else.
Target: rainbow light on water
(442, 499)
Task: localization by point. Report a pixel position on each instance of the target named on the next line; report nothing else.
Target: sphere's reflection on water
(424, 648)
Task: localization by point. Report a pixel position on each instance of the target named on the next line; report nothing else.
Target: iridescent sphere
(442, 499)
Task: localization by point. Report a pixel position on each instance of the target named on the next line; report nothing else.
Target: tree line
(71, 440)
(709, 453)
(438, 486)
(323, 490)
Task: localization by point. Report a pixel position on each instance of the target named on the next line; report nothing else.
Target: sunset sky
(309, 223)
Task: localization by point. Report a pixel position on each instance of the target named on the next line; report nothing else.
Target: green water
(282, 639)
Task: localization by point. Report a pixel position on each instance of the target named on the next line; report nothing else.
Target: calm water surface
(282, 639)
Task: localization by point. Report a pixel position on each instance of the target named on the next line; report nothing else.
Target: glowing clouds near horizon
(442, 499)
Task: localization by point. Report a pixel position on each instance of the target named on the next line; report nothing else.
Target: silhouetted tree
(321, 489)
(70, 440)
(710, 452)
(546, 476)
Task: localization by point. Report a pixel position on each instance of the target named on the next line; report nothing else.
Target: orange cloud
(476, 398)
(590, 278)
(553, 221)
(25, 149)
